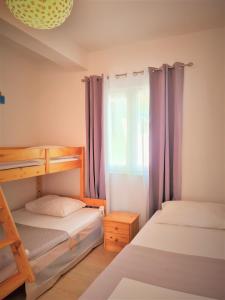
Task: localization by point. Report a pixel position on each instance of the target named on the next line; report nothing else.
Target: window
(127, 124)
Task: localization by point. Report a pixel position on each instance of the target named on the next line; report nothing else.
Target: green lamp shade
(41, 14)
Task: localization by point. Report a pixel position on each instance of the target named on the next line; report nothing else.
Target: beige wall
(203, 129)
(62, 122)
(19, 82)
(60, 108)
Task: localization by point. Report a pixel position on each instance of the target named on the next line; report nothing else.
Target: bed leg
(39, 186)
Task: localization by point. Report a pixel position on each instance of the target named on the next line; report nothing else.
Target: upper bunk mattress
(35, 162)
(63, 159)
(21, 164)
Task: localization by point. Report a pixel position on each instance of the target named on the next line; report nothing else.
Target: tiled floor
(76, 281)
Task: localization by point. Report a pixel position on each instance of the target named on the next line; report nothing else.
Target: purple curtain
(166, 107)
(95, 182)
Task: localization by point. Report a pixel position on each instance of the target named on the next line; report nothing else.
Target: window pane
(117, 130)
(128, 128)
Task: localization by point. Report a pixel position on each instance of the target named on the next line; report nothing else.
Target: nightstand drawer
(114, 246)
(114, 227)
(115, 237)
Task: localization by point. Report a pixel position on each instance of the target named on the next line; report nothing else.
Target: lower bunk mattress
(52, 251)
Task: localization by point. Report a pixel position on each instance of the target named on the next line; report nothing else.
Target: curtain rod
(86, 78)
(190, 64)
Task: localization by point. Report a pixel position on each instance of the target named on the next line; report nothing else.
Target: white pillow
(53, 205)
(193, 213)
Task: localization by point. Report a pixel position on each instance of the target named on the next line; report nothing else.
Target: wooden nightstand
(119, 229)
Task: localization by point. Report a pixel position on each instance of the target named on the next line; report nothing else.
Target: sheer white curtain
(126, 139)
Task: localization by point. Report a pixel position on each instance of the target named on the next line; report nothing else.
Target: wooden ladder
(12, 239)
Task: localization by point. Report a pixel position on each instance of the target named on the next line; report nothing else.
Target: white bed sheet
(72, 223)
(21, 164)
(62, 159)
(133, 289)
(182, 239)
(35, 162)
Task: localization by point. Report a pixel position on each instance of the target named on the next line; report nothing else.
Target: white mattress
(63, 159)
(35, 162)
(182, 239)
(72, 223)
(177, 238)
(21, 164)
(133, 289)
(188, 240)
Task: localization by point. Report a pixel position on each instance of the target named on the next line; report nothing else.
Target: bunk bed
(42, 253)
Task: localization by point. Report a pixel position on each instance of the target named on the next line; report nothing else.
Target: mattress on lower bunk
(37, 241)
(40, 233)
(72, 224)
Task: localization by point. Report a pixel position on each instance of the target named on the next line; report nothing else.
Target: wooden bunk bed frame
(45, 156)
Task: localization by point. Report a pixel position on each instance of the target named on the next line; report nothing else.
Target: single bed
(178, 254)
(53, 244)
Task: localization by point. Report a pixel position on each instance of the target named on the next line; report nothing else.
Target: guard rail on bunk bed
(24, 162)
(19, 163)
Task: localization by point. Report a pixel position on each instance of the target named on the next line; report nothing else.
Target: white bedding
(181, 239)
(35, 162)
(193, 213)
(21, 164)
(72, 223)
(176, 238)
(133, 289)
(63, 159)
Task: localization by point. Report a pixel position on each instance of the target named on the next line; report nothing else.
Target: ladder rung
(8, 242)
(10, 284)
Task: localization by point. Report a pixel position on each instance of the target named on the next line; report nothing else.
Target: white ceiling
(99, 24)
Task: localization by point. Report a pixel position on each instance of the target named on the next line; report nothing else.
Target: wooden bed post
(82, 174)
(47, 161)
(39, 186)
